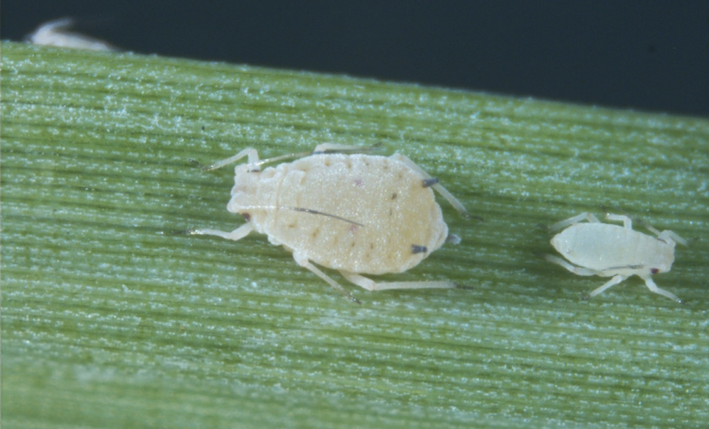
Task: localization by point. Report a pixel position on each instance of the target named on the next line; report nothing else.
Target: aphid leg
(573, 268)
(437, 186)
(302, 260)
(234, 235)
(371, 285)
(572, 220)
(250, 152)
(653, 287)
(614, 281)
(323, 148)
(627, 221)
(665, 235)
(334, 147)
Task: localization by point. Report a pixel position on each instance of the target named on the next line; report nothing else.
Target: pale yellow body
(381, 194)
(606, 250)
(358, 214)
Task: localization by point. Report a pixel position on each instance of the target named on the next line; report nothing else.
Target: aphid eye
(654, 271)
(246, 216)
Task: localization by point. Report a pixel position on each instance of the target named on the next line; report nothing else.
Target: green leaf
(109, 319)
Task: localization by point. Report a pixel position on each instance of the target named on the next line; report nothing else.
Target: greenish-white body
(608, 250)
(612, 249)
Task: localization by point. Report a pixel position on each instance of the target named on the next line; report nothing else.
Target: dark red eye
(654, 271)
(247, 217)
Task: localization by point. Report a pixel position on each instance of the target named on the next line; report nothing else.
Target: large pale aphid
(355, 213)
(608, 250)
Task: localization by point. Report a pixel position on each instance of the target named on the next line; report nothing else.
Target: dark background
(641, 54)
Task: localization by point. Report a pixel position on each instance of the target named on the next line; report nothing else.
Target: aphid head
(661, 267)
(562, 244)
(244, 192)
(661, 261)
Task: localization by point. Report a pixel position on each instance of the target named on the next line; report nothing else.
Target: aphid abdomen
(373, 211)
(602, 247)
(594, 245)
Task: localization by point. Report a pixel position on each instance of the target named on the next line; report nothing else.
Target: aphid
(612, 250)
(55, 33)
(356, 213)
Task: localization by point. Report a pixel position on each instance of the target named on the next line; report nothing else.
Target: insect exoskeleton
(342, 209)
(608, 250)
(56, 33)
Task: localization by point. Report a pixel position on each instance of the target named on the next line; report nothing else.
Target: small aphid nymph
(608, 250)
(355, 213)
(56, 33)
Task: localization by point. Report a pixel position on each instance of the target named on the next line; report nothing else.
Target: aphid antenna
(326, 149)
(453, 239)
(544, 227)
(300, 209)
(276, 159)
(692, 241)
(465, 287)
(177, 232)
(340, 149)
